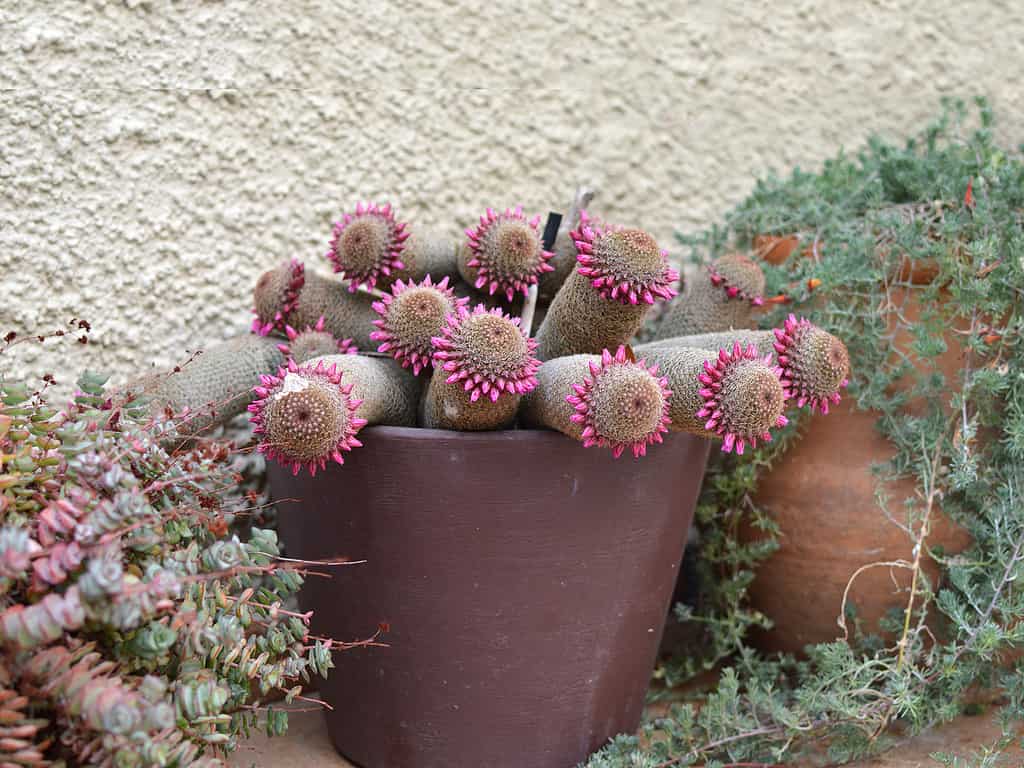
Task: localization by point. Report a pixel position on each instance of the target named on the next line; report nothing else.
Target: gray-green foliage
(963, 447)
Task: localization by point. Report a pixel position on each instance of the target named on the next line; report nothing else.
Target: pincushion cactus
(214, 386)
(427, 252)
(308, 415)
(314, 341)
(604, 400)
(718, 299)
(482, 366)
(291, 295)
(815, 364)
(410, 316)
(734, 395)
(116, 555)
(563, 250)
(504, 254)
(620, 273)
(367, 244)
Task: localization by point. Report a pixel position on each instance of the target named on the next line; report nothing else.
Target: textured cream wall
(155, 157)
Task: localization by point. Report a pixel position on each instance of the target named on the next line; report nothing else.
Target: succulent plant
(367, 245)
(314, 341)
(428, 252)
(483, 365)
(735, 395)
(815, 364)
(620, 273)
(308, 415)
(719, 299)
(410, 316)
(604, 400)
(116, 555)
(212, 387)
(291, 295)
(504, 254)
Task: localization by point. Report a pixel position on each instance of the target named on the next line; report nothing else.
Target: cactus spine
(410, 317)
(620, 274)
(604, 400)
(366, 245)
(482, 366)
(504, 253)
(815, 364)
(309, 415)
(719, 299)
(735, 395)
(290, 295)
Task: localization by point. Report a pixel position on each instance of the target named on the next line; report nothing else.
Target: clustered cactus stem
(213, 387)
(720, 298)
(734, 395)
(346, 314)
(366, 245)
(620, 273)
(314, 341)
(815, 364)
(308, 415)
(564, 248)
(410, 316)
(428, 252)
(504, 253)
(483, 365)
(613, 401)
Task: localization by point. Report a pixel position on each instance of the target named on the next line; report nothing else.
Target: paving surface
(306, 744)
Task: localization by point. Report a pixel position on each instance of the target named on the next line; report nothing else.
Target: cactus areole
(366, 245)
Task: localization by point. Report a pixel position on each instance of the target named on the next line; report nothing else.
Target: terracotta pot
(524, 579)
(822, 495)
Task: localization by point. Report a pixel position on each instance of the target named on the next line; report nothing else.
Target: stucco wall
(156, 157)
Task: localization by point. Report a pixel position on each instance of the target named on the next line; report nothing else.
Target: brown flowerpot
(822, 494)
(524, 580)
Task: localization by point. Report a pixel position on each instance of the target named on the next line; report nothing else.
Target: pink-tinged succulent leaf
(287, 303)
(815, 364)
(638, 421)
(305, 416)
(743, 397)
(486, 353)
(624, 265)
(410, 316)
(507, 252)
(367, 244)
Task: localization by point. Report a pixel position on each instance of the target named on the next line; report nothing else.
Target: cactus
(290, 295)
(309, 415)
(815, 364)
(620, 274)
(735, 395)
(504, 253)
(213, 387)
(410, 317)
(314, 341)
(366, 246)
(718, 299)
(604, 400)
(482, 366)
(428, 252)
